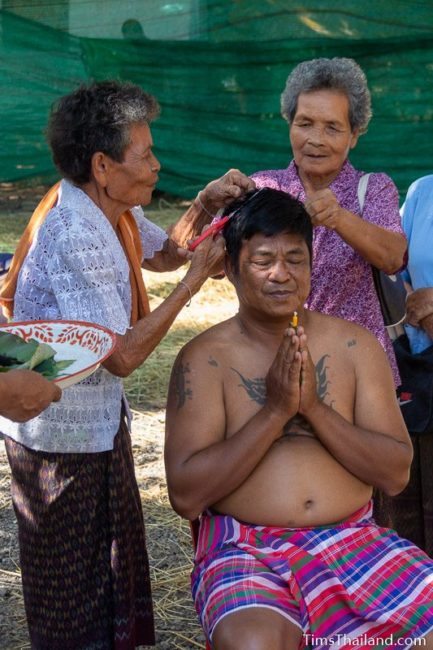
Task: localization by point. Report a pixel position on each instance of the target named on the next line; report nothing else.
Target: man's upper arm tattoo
(182, 385)
(255, 387)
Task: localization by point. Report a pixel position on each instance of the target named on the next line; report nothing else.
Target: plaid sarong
(343, 586)
(83, 558)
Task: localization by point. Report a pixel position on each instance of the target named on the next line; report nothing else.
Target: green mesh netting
(217, 69)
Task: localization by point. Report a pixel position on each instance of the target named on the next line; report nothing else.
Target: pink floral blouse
(342, 282)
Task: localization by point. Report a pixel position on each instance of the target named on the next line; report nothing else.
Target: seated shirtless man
(277, 433)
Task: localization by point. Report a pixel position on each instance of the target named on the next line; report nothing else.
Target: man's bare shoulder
(347, 341)
(218, 339)
(339, 329)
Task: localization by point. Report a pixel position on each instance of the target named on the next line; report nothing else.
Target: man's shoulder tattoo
(212, 362)
(255, 387)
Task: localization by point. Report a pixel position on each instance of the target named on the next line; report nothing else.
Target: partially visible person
(132, 30)
(277, 431)
(418, 226)
(328, 106)
(5, 261)
(25, 393)
(412, 510)
(81, 532)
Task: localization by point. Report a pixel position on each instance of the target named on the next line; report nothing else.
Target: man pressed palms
(276, 436)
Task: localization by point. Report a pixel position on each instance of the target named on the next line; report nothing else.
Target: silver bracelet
(189, 291)
(200, 202)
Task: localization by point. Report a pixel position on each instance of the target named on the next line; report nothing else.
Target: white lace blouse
(76, 270)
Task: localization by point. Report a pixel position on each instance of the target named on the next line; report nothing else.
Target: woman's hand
(206, 260)
(419, 305)
(427, 325)
(24, 394)
(324, 209)
(217, 194)
(223, 191)
(379, 246)
(138, 342)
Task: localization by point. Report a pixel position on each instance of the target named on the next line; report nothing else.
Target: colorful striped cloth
(352, 584)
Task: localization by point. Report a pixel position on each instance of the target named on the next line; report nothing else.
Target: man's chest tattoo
(255, 387)
(322, 381)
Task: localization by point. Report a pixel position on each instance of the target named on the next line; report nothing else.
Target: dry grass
(169, 542)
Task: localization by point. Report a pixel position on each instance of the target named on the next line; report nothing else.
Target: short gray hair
(339, 74)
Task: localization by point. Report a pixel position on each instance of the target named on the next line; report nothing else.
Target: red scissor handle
(212, 230)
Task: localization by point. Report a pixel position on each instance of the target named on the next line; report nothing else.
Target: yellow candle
(294, 321)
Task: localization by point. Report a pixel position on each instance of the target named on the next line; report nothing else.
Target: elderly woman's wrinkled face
(321, 136)
(132, 181)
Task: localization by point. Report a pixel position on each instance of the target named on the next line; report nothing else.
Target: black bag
(391, 292)
(390, 289)
(415, 395)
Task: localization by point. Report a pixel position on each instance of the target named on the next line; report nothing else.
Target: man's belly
(297, 484)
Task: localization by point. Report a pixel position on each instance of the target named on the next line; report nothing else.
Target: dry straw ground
(169, 542)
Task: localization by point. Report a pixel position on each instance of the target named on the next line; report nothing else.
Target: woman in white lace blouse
(83, 558)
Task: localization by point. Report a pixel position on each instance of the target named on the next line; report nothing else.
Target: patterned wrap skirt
(83, 557)
(348, 585)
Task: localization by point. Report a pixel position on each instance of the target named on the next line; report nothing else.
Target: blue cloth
(5, 262)
(417, 221)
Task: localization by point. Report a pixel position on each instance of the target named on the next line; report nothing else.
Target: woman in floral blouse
(327, 105)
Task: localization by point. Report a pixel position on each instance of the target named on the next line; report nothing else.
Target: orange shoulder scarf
(129, 236)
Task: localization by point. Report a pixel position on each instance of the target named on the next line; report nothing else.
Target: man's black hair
(268, 212)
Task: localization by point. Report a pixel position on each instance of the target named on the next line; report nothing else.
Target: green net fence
(217, 69)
